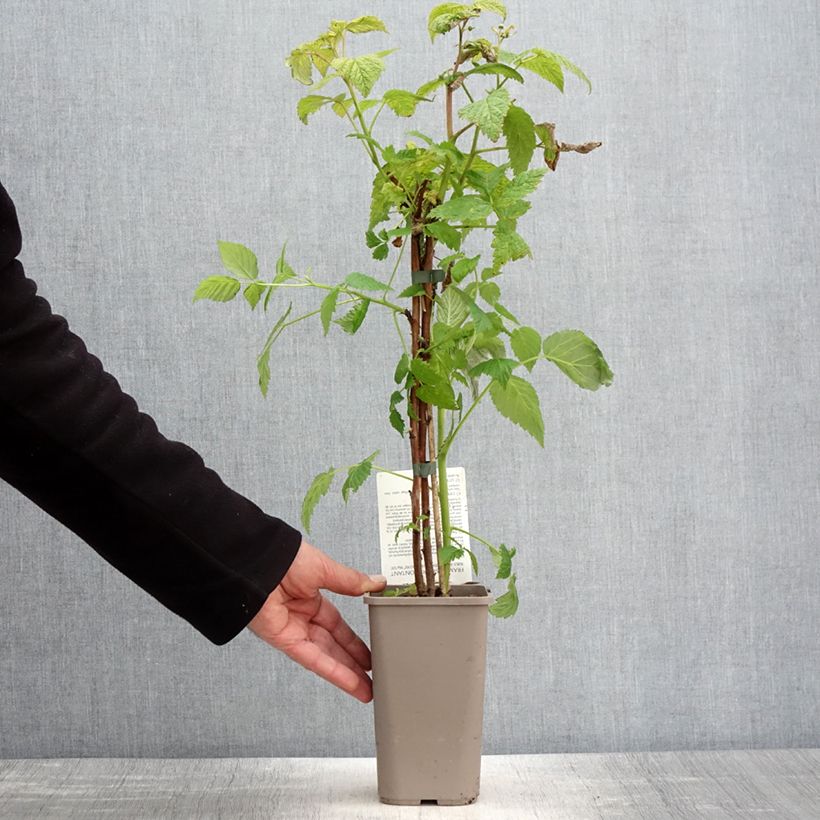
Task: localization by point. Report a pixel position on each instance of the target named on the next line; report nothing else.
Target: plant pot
(429, 661)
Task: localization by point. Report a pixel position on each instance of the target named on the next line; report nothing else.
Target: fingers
(328, 644)
(313, 657)
(348, 581)
(329, 618)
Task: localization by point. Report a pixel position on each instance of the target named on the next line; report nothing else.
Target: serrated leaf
(440, 395)
(361, 281)
(361, 72)
(381, 252)
(519, 131)
(425, 89)
(445, 16)
(492, 5)
(499, 370)
(283, 270)
(508, 246)
(328, 308)
(361, 25)
(579, 357)
(402, 103)
(464, 267)
(238, 259)
(402, 369)
(451, 308)
(520, 185)
(507, 604)
(445, 233)
(412, 290)
(526, 344)
(503, 561)
(496, 68)
(357, 475)
(518, 402)
(545, 65)
(464, 208)
(396, 419)
(424, 373)
(309, 105)
(318, 488)
(352, 320)
(253, 293)
(449, 553)
(488, 112)
(490, 292)
(217, 289)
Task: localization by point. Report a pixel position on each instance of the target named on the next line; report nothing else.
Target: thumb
(349, 581)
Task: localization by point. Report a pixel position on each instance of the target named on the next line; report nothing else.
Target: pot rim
(471, 596)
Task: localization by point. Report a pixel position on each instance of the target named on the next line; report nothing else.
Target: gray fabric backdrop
(667, 534)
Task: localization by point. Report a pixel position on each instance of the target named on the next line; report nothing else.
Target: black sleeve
(78, 446)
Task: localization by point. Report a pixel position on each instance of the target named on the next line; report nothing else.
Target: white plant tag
(395, 512)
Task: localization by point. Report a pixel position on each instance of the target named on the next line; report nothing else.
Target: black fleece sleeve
(78, 446)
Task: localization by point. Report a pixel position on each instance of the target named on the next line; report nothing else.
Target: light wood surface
(776, 784)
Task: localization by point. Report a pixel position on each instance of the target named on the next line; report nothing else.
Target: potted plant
(457, 343)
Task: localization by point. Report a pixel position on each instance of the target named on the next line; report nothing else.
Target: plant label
(396, 537)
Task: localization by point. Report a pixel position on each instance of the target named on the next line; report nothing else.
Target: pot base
(465, 802)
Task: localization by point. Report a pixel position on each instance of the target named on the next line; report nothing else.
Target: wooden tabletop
(776, 784)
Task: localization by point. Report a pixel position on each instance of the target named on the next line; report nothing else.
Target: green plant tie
(421, 277)
(424, 468)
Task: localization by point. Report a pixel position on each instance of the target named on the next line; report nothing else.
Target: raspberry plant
(459, 342)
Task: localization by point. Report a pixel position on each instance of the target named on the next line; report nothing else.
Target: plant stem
(477, 538)
(431, 433)
(451, 436)
(390, 472)
(444, 499)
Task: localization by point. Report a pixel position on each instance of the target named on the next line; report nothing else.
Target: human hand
(302, 623)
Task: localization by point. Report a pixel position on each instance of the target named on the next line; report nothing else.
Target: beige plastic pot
(429, 661)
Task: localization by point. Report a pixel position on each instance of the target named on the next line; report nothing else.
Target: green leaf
(573, 69)
(520, 185)
(424, 373)
(427, 88)
(444, 233)
(318, 488)
(451, 308)
(253, 293)
(310, 104)
(357, 475)
(396, 419)
(526, 344)
(579, 357)
(238, 259)
(503, 561)
(446, 16)
(490, 292)
(402, 103)
(411, 290)
(519, 131)
(217, 289)
(352, 320)
(499, 370)
(402, 369)
(507, 604)
(449, 553)
(361, 281)
(488, 112)
(508, 245)
(545, 65)
(518, 402)
(362, 25)
(492, 5)
(283, 270)
(362, 72)
(328, 308)
(496, 68)
(463, 208)
(441, 395)
(464, 267)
